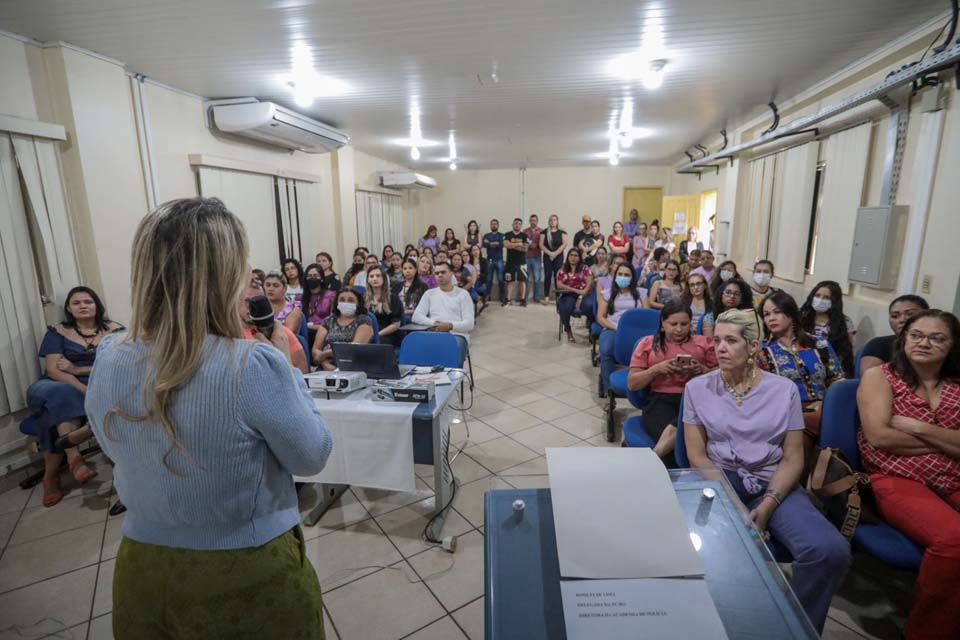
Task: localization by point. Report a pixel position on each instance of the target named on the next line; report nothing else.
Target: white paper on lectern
(662, 608)
(617, 516)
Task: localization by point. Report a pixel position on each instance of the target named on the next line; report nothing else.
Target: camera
(261, 315)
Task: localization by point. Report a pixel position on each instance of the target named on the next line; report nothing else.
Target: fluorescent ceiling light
(626, 124)
(414, 153)
(306, 84)
(639, 66)
(453, 166)
(614, 153)
(452, 142)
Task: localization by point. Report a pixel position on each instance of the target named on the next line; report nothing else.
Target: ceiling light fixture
(614, 151)
(625, 134)
(452, 143)
(453, 166)
(305, 83)
(653, 78)
(414, 153)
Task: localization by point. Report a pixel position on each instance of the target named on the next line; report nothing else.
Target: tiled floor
(380, 581)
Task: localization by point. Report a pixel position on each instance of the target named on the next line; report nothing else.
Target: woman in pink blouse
(573, 282)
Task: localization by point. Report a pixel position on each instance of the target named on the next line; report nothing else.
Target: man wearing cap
(584, 233)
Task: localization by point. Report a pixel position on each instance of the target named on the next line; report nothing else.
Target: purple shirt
(747, 439)
(433, 243)
(706, 274)
(623, 303)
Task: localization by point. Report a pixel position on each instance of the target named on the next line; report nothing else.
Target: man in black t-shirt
(516, 242)
(584, 233)
(880, 349)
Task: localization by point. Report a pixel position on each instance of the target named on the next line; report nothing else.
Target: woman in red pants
(910, 442)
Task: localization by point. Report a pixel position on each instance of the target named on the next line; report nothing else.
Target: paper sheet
(661, 608)
(617, 516)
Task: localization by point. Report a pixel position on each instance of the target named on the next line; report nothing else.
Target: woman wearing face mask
(791, 352)
(356, 268)
(412, 254)
(762, 275)
(349, 322)
(666, 288)
(697, 297)
(384, 304)
(573, 282)
(689, 245)
(664, 362)
(330, 279)
(613, 302)
(425, 271)
(822, 316)
(317, 300)
(735, 294)
(725, 273)
(880, 349)
(287, 312)
(411, 290)
(749, 423)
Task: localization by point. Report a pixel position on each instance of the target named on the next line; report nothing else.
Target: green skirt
(269, 591)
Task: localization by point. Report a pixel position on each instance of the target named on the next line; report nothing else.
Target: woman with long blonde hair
(207, 431)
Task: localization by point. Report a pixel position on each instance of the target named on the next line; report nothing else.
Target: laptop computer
(376, 360)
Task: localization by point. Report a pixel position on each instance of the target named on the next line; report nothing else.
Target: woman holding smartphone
(663, 363)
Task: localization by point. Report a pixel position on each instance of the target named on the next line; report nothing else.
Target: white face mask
(821, 305)
(762, 279)
(347, 308)
(726, 275)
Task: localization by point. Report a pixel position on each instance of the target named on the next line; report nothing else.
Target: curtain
(252, 197)
(791, 206)
(843, 181)
(749, 232)
(21, 309)
(379, 220)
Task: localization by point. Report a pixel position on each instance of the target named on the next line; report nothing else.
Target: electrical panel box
(878, 245)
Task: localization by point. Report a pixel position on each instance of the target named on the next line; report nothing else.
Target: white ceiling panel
(554, 95)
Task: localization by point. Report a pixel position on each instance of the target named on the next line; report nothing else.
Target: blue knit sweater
(246, 423)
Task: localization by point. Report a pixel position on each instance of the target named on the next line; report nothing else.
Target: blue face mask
(622, 281)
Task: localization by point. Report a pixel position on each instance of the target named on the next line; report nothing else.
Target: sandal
(52, 494)
(81, 472)
(570, 337)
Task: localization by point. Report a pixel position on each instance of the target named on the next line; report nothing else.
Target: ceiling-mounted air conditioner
(273, 124)
(406, 180)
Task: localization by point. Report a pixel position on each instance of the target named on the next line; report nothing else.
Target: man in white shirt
(447, 308)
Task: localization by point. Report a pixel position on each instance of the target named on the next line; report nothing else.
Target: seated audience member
(293, 275)
(349, 322)
(384, 304)
(425, 271)
(260, 275)
(447, 308)
(622, 296)
(356, 268)
(395, 271)
(734, 295)
(665, 240)
(250, 330)
(450, 242)
(206, 431)
(880, 349)
(791, 352)
(697, 296)
(617, 242)
(689, 245)
(480, 268)
(330, 279)
(706, 268)
(360, 282)
(412, 254)
(653, 270)
(287, 312)
(667, 287)
(664, 362)
(910, 445)
(573, 283)
(56, 400)
(462, 275)
(386, 255)
(749, 423)
(407, 249)
(427, 251)
(440, 257)
(600, 269)
(411, 289)
(430, 240)
(725, 273)
(693, 262)
(317, 301)
(762, 275)
(822, 317)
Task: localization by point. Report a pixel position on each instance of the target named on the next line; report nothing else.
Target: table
(431, 439)
(522, 574)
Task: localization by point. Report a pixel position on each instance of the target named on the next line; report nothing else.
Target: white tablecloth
(372, 442)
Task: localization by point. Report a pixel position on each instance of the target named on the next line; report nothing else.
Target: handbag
(839, 491)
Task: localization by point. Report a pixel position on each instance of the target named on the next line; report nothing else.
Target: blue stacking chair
(302, 336)
(634, 325)
(376, 328)
(699, 329)
(431, 348)
(838, 429)
(634, 435)
(856, 365)
(595, 330)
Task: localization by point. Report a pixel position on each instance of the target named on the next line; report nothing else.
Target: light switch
(925, 284)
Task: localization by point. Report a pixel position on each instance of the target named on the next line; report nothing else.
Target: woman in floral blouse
(573, 282)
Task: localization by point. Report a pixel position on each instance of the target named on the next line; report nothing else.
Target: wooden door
(648, 201)
(682, 211)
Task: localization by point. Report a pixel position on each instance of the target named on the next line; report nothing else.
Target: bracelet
(776, 495)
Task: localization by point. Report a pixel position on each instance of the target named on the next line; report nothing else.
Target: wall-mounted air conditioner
(406, 180)
(273, 124)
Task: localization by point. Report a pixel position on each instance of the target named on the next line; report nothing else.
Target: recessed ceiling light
(453, 166)
(639, 65)
(414, 153)
(305, 83)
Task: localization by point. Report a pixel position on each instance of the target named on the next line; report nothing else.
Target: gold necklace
(732, 389)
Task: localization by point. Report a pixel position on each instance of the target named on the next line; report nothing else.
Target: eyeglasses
(696, 284)
(936, 339)
(732, 294)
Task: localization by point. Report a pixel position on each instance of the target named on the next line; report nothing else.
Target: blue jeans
(495, 266)
(464, 349)
(607, 360)
(821, 556)
(535, 274)
(550, 270)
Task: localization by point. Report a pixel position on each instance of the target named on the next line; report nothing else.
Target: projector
(403, 390)
(336, 381)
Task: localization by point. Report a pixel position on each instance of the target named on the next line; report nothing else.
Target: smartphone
(685, 360)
